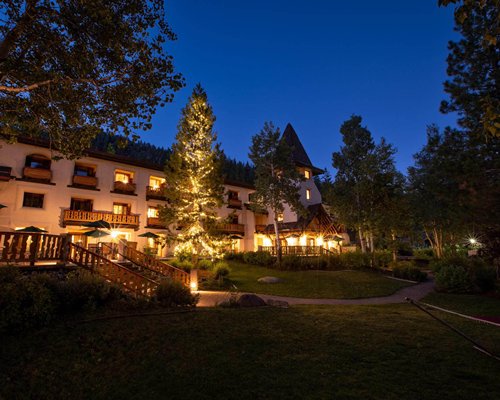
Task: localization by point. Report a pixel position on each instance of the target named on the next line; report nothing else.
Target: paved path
(415, 292)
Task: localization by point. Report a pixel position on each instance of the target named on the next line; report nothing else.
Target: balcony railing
(155, 223)
(86, 181)
(157, 193)
(234, 203)
(5, 173)
(297, 250)
(37, 174)
(77, 217)
(260, 228)
(232, 228)
(125, 188)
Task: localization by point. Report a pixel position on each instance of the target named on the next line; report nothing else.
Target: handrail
(127, 279)
(151, 263)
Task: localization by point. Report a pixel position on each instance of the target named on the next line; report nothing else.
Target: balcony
(157, 193)
(234, 203)
(232, 228)
(5, 173)
(155, 223)
(260, 228)
(77, 217)
(124, 188)
(37, 174)
(85, 181)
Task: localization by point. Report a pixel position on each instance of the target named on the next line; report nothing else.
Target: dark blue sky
(312, 63)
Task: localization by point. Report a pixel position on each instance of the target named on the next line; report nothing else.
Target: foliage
(407, 270)
(258, 258)
(183, 264)
(69, 70)
(205, 264)
(172, 293)
(193, 172)
(237, 171)
(234, 256)
(291, 263)
(221, 270)
(367, 191)
(472, 67)
(277, 179)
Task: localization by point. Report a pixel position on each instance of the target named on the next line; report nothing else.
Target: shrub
(234, 256)
(205, 264)
(355, 260)
(291, 263)
(172, 293)
(454, 279)
(258, 258)
(221, 270)
(423, 254)
(185, 265)
(382, 258)
(407, 270)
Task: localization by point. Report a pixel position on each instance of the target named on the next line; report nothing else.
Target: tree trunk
(372, 246)
(394, 248)
(361, 240)
(278, 241)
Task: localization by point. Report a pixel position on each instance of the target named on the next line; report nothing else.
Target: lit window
(121, 209)
(307, 174)
(152, 212)
(308, 194)
(124, 177)
(156, 182)
(280, 217)
(33, 200)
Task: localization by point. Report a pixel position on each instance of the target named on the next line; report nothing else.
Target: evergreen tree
(473, 66)
(277, 179)
(194, 181)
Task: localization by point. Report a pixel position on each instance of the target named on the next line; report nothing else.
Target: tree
(194, 180)
(474, 87)
(277, 179)
(366, 182)
(71, 69)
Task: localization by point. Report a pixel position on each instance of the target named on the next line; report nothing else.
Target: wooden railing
(5, 173)
(297, 250)
(155, 193)
(76, 217)
(260, 228)
(87, 181)
(40, 174)
(20, 247)
(128, 280)
(147, 261)
(155, 223)
(236, 203)
(122, 187)
(231, 228)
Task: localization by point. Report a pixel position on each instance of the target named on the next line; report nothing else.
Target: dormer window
(308, 194)
(307, 174)
(280, 217)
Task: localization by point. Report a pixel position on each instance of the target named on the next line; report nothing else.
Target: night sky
(312, 63)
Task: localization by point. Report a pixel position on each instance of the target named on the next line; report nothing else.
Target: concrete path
(415, 292)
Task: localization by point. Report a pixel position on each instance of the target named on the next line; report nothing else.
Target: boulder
(269, 279)
(250, 300)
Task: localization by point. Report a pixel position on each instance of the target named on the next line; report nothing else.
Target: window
(121, 208)
(233, 219)
(232, 195)
(84, 170)
(308, 194)
(123, 176)
(155, 182)
(37, 161)
(307, 174)
(153, 212)
(280, 217)
(81, 204)
(34, 200)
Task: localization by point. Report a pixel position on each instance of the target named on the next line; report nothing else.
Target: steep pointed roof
(299, 153)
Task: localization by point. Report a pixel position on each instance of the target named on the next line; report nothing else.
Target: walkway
(415, 292)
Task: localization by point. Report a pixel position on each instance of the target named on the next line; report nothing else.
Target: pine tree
(277, 179)
(194, 181)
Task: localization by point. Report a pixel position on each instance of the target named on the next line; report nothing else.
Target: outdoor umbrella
(149, 235)
(2, 206)
(235, 237)
(337, 238)
(96, 233)
(98, 224)
(31, 229)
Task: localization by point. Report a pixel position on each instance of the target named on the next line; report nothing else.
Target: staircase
(146, 264)
(129, 280)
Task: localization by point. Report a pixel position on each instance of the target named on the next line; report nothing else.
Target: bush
(355, 260)
(234, 256)
(423, 254)
(185, 265)
(172, 293)
(262, 258)
(221, 270)
(205, 264)
(407, 270)
(454, 279)
(382, 259)
(291, 263)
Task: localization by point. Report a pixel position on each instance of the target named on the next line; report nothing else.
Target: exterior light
(114, 234)
(472, 241)
(194, 286)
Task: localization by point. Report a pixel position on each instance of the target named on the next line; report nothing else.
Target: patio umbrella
(31, 229)
(2, 206)
(337, 238)
(235, 237)
(96, 233)
(98, 224)
(149, 235)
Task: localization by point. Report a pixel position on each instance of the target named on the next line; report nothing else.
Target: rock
(250, 300)
(277, 303)
(269, 279)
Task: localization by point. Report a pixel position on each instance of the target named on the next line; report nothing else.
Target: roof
(315, 219)
(299, 154)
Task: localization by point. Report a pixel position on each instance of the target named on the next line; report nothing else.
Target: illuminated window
(280, 217)
(121, 208)
(307, 174)
(308, 194)
(153, 212)
(123, 176)
(156, 182)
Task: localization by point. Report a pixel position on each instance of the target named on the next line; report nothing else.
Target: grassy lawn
(312, 284)
(466, 304)
(306, 352)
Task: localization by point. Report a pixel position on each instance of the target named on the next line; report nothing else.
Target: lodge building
(61, 196)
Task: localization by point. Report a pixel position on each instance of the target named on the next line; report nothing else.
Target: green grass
(312, 284)
(307, 352)
(466, 304)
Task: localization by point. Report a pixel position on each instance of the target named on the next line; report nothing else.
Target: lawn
(312, 284)
(305, 352)
(466, 304)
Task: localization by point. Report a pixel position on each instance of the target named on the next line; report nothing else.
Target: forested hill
(234, 170)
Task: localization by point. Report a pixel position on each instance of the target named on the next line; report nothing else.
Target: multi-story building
(62, 196)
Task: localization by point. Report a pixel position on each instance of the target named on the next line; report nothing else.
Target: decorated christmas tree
(194, 188)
